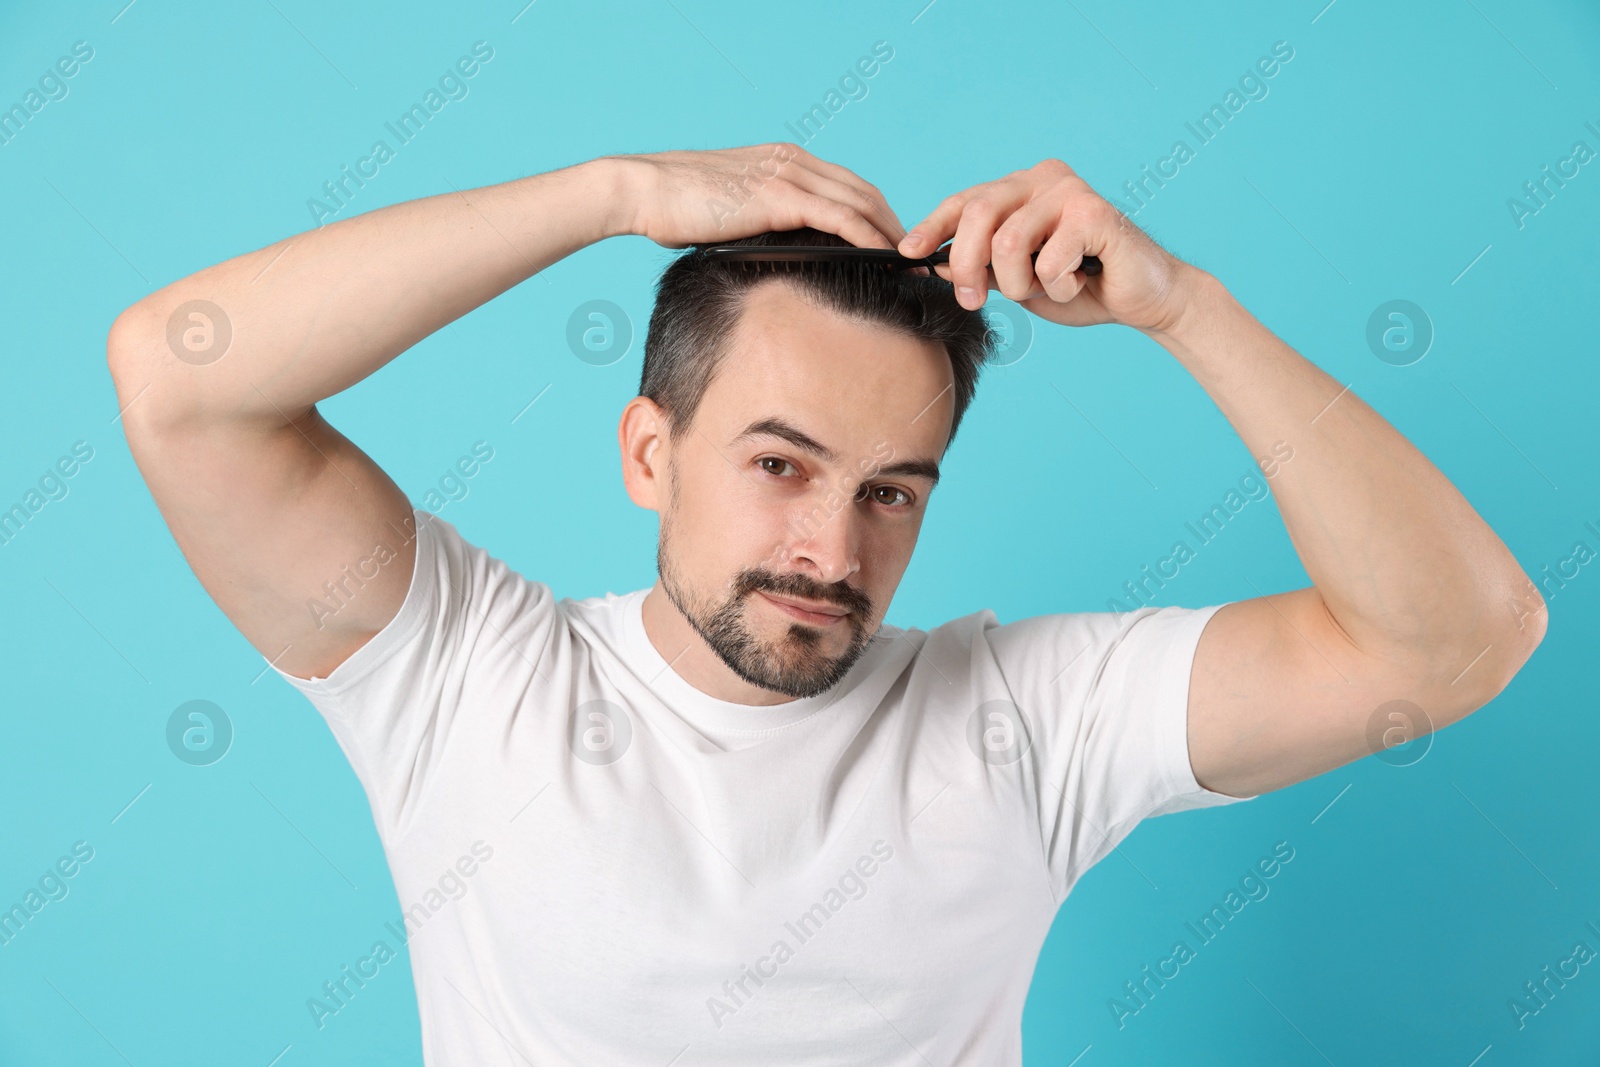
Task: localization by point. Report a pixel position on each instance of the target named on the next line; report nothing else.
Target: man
(734, 817)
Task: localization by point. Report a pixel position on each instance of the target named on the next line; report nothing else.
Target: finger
(1081, 310)
(943, 270)
(1015, 242)
(1057, 259)
(1092, 224)
(849, 195)
(928, 235)
(940, 224)
(831, 216)
(890, 222)
(971, 250)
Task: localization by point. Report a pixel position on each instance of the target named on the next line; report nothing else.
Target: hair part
(699, 301)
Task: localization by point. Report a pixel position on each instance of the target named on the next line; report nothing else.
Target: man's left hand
(1047, 208)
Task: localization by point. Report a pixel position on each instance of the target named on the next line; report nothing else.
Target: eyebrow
(772, 426)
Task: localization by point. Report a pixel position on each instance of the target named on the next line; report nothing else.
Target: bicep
(1279, 694)
(298, 536)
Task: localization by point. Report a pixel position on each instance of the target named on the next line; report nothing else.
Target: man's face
(802, 482)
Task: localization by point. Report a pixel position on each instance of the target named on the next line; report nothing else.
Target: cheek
(886, 554)
(889, 564)
(720, 529)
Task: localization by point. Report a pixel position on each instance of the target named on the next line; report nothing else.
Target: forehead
(851, 384)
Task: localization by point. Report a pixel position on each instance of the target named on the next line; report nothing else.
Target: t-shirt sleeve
(470, 632)
(1105, 698)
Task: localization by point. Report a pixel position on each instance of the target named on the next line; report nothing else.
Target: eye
(891, 496)
(780, 462)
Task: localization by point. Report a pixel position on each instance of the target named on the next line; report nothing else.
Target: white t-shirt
(601, 864)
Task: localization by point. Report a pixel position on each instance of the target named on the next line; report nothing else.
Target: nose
(827, 536)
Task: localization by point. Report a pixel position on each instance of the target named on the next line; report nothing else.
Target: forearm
(1403, 563)
(317, 312)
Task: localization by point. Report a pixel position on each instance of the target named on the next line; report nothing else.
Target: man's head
(788, 431)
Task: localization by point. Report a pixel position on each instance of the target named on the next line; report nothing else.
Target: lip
(815, 618)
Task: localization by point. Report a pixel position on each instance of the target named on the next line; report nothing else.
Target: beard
(792, 664)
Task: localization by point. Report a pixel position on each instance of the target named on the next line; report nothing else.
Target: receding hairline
(703, 304)
(926, 468)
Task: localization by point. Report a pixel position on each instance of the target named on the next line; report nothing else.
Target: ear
(642, 437)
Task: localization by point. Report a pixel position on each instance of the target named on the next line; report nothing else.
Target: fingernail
(966, 293)
(912, 239)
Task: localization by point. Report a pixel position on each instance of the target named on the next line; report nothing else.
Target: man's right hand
(682, 198)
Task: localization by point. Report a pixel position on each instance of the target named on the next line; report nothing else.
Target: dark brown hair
(699, 300)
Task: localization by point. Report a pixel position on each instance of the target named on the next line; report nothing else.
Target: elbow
(1521, 639)
(1501, 651)
(1532, 623)
(128, 359)
(1524, 619)
(128, 341)
(151, 393)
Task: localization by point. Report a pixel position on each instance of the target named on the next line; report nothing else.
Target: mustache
(798, 585)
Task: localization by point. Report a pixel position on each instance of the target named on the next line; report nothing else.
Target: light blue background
(1377, 168)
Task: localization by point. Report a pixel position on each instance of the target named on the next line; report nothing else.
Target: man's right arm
(273, 507)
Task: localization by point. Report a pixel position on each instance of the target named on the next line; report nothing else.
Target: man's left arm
(1414, 598)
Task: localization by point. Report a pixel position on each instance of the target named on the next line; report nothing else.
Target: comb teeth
(790, 259)
(779, 266)
(788, 266)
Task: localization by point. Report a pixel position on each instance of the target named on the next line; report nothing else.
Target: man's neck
(687, 653)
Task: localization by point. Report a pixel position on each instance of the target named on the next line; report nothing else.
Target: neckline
(707, 712)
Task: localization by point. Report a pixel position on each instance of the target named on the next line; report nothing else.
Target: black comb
(786, 257)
